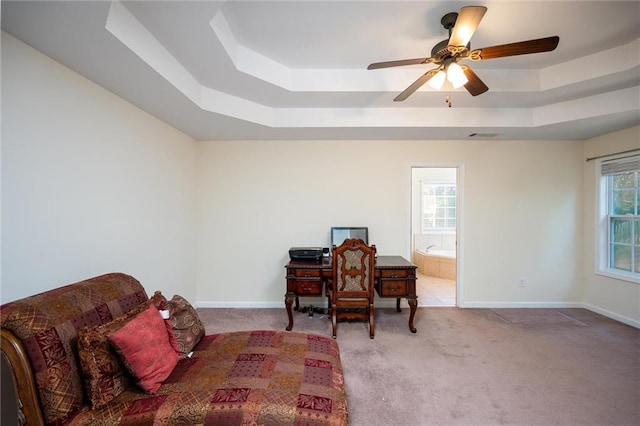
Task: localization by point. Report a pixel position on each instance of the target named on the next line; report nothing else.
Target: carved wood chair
(353, 266)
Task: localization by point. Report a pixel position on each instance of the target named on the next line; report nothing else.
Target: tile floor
(433, 291)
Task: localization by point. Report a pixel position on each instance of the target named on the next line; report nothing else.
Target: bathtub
(436, 263)
(447, 254)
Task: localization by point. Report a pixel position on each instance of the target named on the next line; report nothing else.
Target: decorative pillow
(186, 323)
(104, 376)
(144, 348)
(173, 341)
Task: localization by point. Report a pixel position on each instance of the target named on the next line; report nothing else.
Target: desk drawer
(394, 273)
(393, 288)
(308, 287)
(306, 273)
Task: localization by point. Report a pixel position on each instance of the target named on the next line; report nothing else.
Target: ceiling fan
(448, 53)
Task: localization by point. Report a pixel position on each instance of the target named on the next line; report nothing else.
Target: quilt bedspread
(247, 377)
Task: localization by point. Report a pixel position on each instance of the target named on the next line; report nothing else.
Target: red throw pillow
(145, 350)
(104, 375)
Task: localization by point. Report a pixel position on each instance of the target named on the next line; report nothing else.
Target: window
(439, 207)
(621, 220)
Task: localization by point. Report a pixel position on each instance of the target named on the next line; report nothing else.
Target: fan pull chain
(448, 101)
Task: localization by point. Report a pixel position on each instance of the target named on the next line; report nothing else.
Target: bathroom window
(620, 224)
(439, 207)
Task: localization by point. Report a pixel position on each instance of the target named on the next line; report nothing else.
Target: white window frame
(602, 251)
(423, 208)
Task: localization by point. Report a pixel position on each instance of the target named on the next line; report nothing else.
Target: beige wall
(522, 213)
(90, 184)
(613, 297)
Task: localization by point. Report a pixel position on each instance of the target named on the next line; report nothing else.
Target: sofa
(86, 354)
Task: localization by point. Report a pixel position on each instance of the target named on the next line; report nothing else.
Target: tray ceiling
(297, 69)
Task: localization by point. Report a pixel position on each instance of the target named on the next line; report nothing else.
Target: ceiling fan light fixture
(446, 53)
(456, 76)
(437, 81)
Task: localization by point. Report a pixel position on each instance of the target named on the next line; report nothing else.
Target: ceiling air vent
(483, 135)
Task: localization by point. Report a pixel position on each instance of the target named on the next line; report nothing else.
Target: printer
(305, 253)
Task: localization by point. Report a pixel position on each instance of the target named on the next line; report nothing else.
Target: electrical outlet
(521, 282)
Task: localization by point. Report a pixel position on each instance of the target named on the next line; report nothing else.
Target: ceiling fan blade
(474, 86)
(466, 24)
(546, 44)
(416, 85)
(388, 64)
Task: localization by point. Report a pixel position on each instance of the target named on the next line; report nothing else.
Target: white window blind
(620, 165)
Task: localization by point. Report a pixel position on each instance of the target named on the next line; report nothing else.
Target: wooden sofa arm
(16, 361)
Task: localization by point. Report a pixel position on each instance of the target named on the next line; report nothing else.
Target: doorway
(435, 204)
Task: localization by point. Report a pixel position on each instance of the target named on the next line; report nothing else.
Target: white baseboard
(497, 305)
(244, 305)
(629, 321)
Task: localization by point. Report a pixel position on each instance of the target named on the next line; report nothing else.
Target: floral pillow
(144, 348)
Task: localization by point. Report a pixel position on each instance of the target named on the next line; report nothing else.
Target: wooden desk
(394, 277)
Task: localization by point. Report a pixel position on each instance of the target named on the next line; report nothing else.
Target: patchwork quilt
(248, 377)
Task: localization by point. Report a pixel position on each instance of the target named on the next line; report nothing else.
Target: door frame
(460, 180)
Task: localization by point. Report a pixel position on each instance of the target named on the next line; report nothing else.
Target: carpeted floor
(476, 366)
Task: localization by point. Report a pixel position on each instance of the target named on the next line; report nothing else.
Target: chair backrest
(353, 264)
